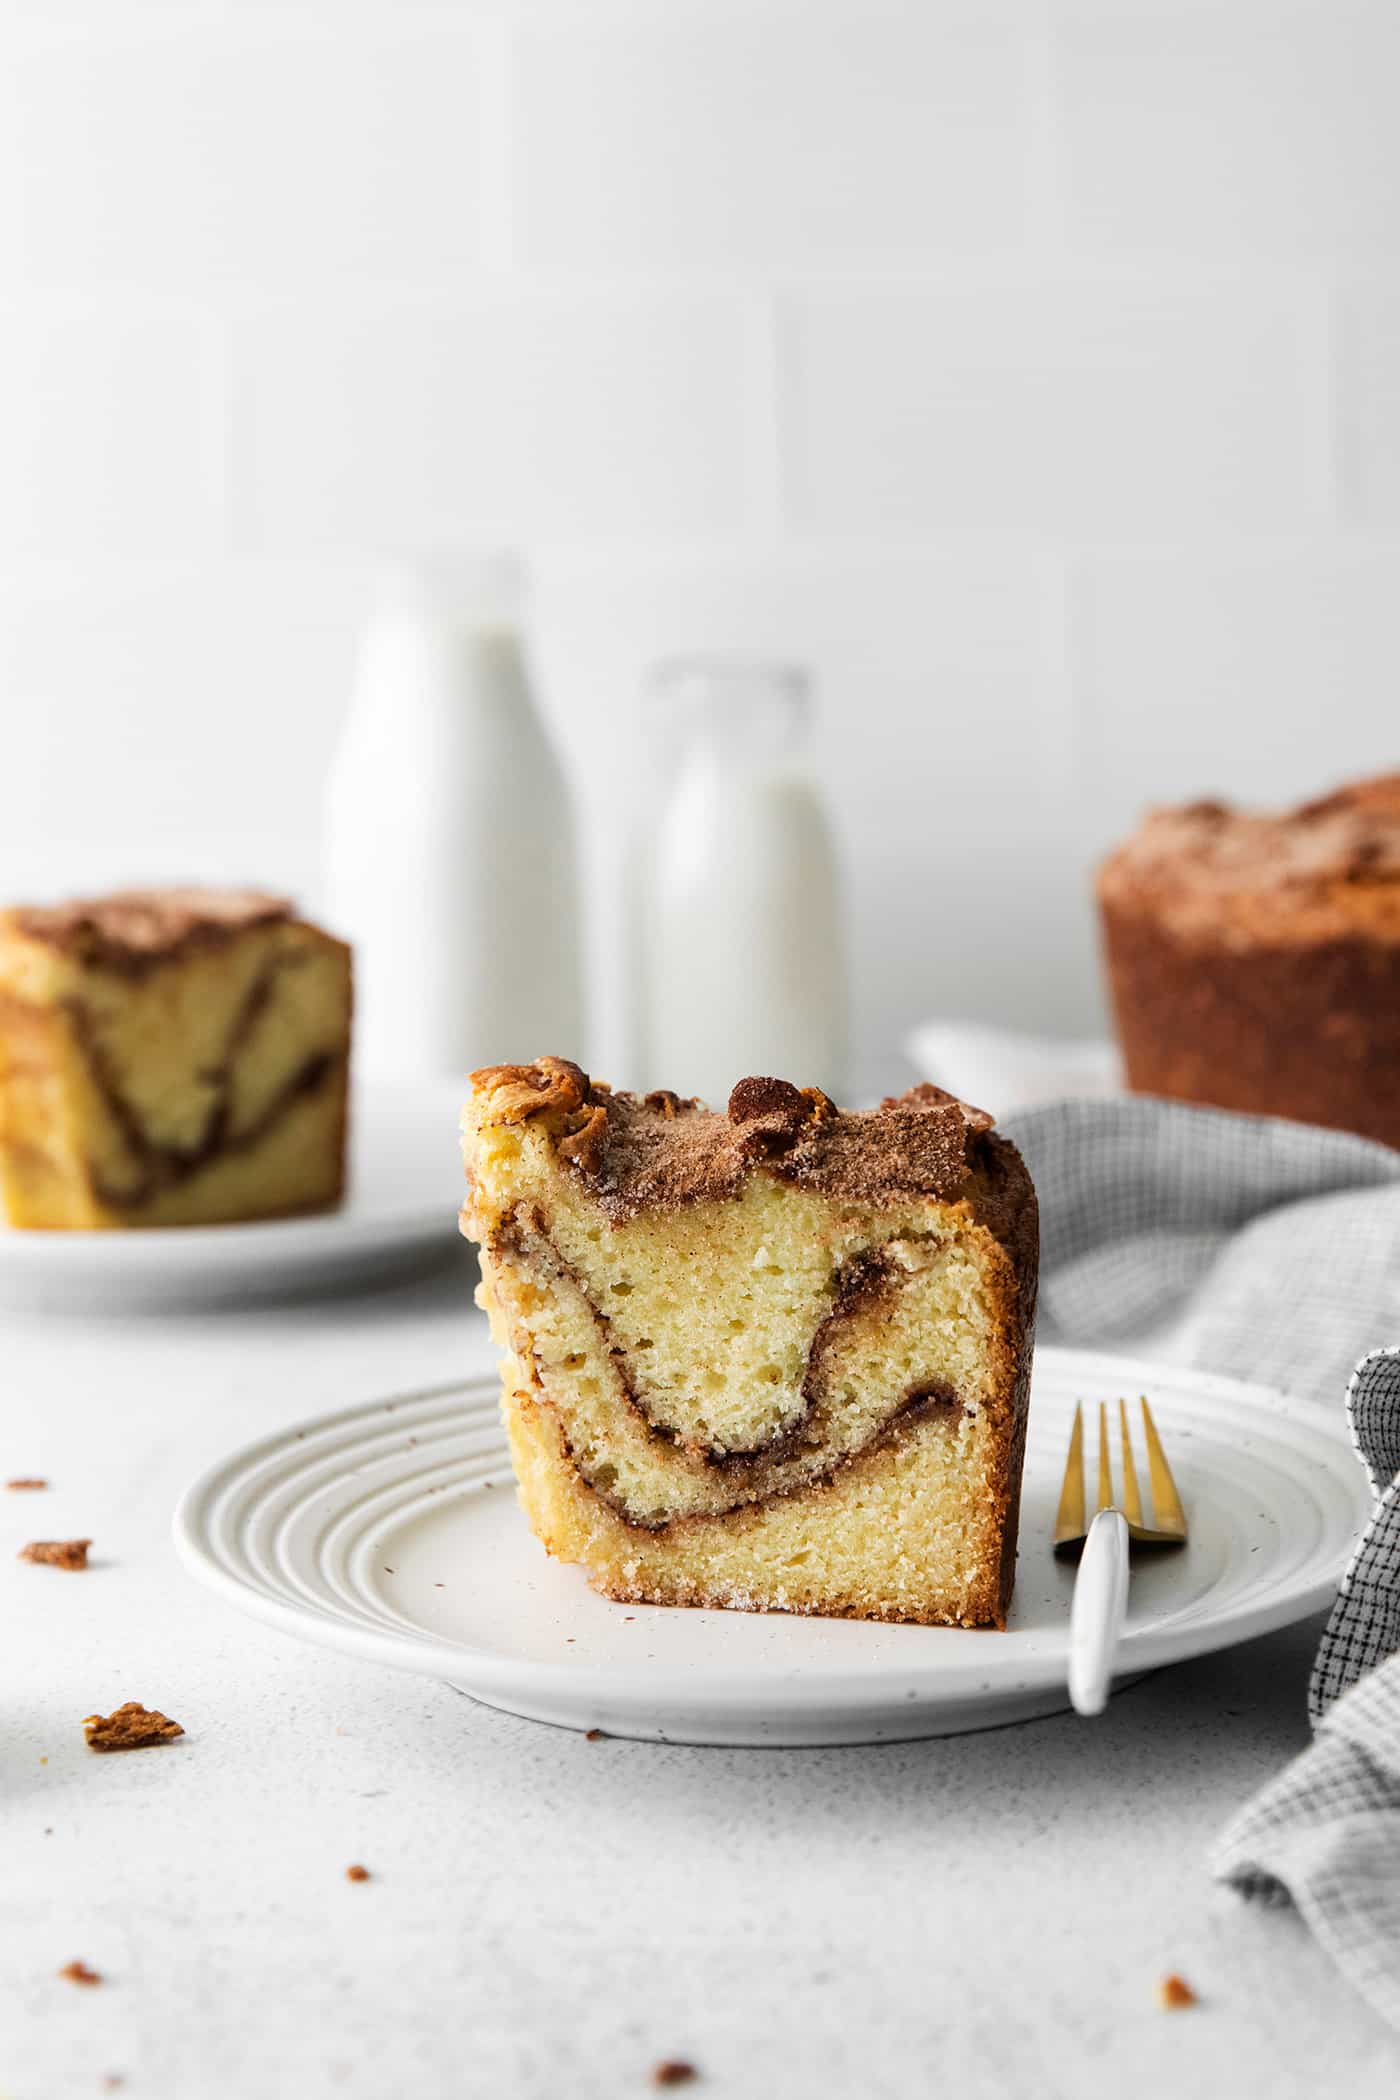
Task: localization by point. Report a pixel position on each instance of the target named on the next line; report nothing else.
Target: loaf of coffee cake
(170, 1057)
(1254, 960)
(774, 1358)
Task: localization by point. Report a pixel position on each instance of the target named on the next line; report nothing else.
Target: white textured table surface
(986, 1916)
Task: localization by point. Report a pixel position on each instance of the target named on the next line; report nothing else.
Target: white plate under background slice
(401, 1208)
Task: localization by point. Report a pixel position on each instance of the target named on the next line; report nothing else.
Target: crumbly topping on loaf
(657, 1151)
(133, 928)
(1329, 865)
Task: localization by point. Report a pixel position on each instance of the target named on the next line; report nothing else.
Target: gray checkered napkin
(1272, 1252)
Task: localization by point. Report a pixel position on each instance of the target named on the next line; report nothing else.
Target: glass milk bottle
(448, 843)
(743, 965)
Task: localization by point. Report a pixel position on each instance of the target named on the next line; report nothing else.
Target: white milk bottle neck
(734, 716)
(744, 969)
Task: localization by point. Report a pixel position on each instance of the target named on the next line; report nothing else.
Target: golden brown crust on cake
(551, 1086)
(597, 1212)
(1254, 960)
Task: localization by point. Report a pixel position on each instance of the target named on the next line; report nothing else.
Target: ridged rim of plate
(241, 1528)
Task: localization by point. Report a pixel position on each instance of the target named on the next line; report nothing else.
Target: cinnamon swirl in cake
(774, 1358)
(170, 1057)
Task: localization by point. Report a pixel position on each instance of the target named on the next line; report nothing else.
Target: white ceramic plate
(1004, 1069)
(392, 1531)
(405, 1188)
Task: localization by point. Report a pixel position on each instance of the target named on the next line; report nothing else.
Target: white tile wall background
(1031, 368)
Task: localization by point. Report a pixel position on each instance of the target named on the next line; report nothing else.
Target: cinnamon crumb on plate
(1174, 1992)
(674, 2071)
(357, 1873)
(20, 1487)
(79, 1972)
(56, 1553)
(131, 1727)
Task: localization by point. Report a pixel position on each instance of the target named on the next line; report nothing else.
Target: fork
(1101, 1587)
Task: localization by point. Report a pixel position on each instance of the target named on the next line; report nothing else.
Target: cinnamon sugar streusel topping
(658, 1151)
(131, 929)
(550, 1086)
(1327, 867)
(56, 1553)
(131, 1727)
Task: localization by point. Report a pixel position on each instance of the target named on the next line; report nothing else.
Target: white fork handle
(1097, 1612)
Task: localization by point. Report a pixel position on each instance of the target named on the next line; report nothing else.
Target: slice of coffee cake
(774, 1359)
(170, 1057)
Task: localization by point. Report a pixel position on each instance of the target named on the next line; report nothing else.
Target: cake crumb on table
(593, 1735)
(357, 1873)
(23, 1486)
(131, 1727)
(1174, 1993)
(79, 1972)
(56, 1553)
(674, 2071)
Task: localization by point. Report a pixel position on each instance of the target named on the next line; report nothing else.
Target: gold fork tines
(1132, 1498)
(1070, 1524)
(1166, 1503)
(1168, 1526)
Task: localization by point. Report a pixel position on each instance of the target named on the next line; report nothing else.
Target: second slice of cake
(775, 1358)
(170, 1057)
